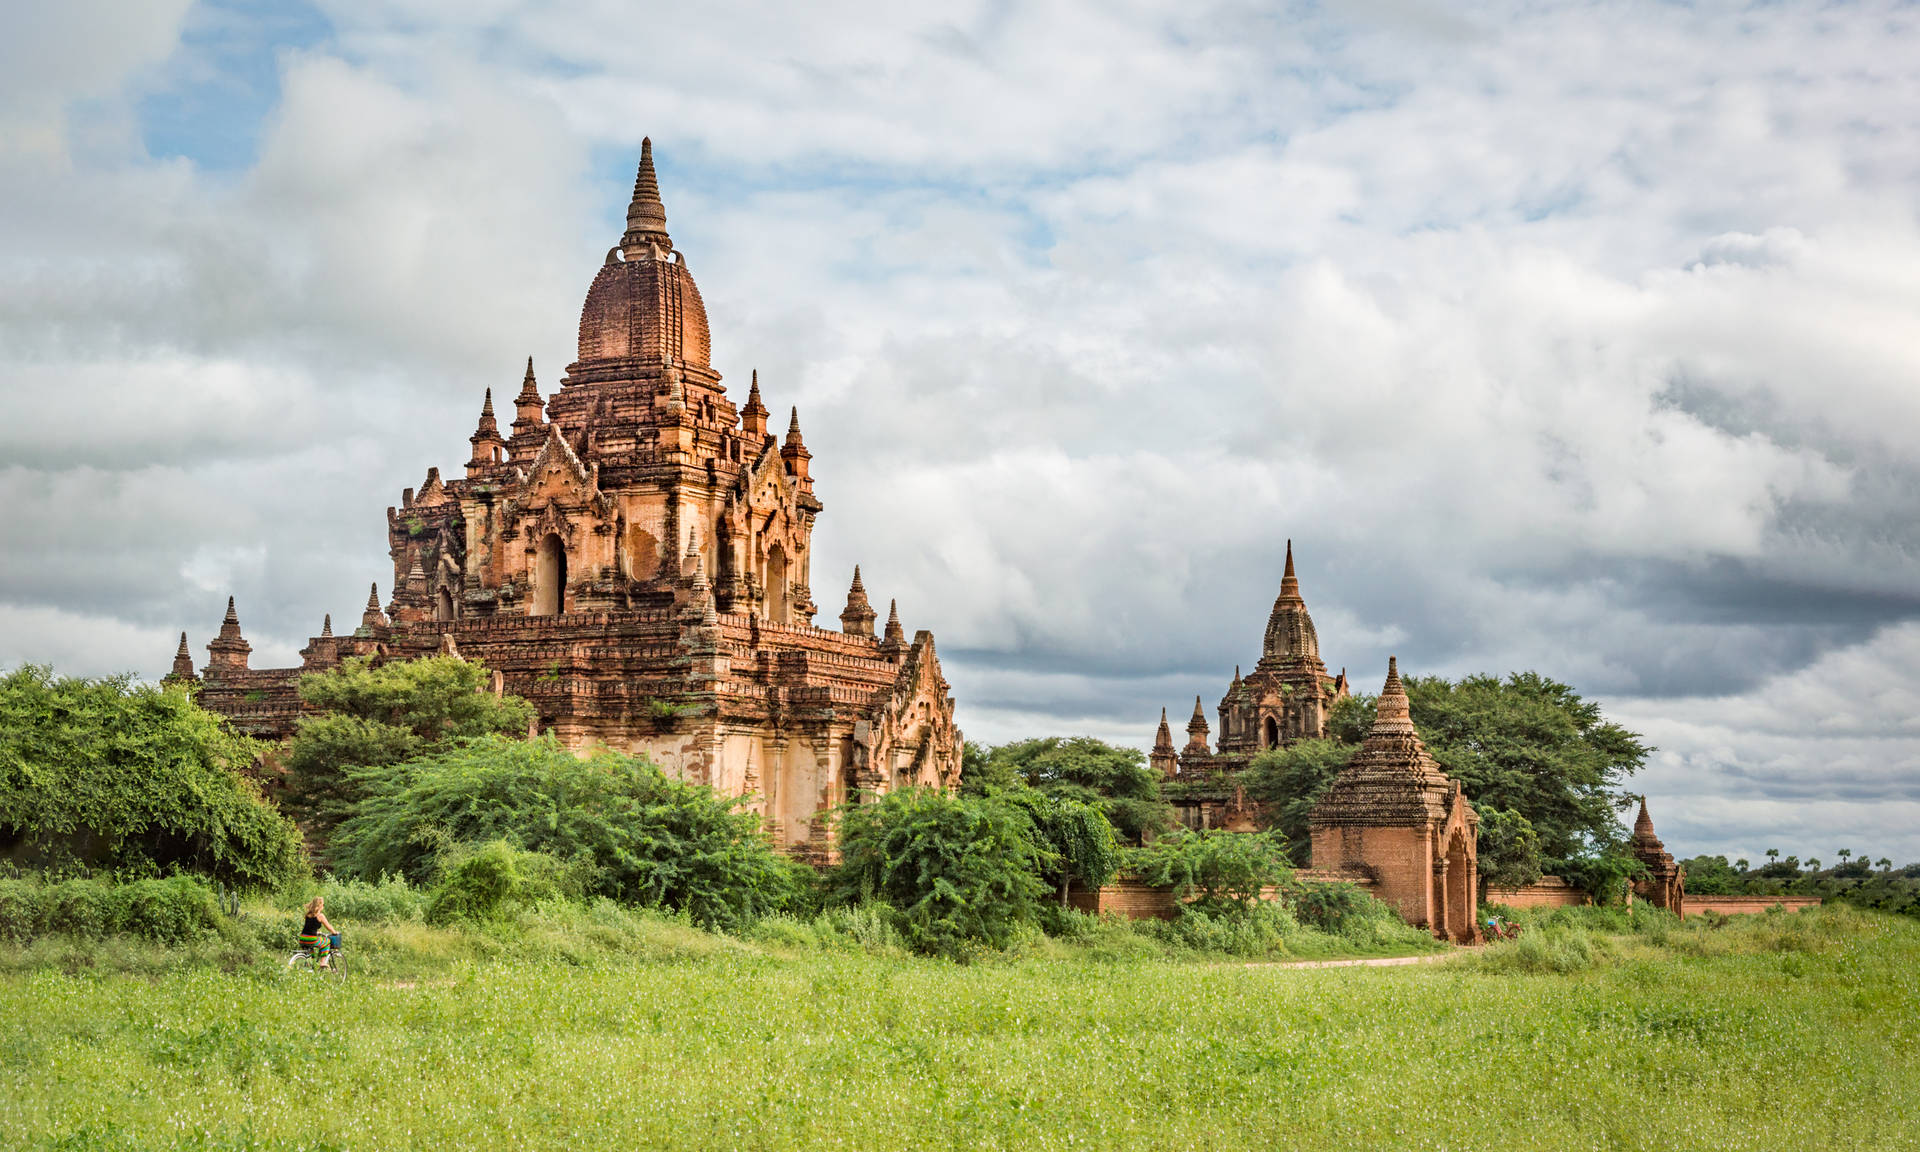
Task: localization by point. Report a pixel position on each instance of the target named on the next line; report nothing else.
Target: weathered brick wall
(1129, 898)
(1742, 905)
(1550, 892)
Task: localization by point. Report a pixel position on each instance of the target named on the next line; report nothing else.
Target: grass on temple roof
(1782, 1031)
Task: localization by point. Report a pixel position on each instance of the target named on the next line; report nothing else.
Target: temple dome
(643, 303)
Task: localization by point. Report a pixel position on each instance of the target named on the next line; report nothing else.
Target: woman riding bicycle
(316, 935)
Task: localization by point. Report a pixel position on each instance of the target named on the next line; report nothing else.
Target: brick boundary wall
(1747, 905)
(1548, 892)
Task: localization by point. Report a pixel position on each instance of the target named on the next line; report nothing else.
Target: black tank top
(312, 927)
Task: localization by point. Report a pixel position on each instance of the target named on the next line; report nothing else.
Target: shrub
(132, 779)
(1219, 872)
(484, 883)
(626, 830)
(959, 872)
(171, 911)
(391, 900)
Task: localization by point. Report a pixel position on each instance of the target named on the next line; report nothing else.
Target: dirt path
(1375, 962)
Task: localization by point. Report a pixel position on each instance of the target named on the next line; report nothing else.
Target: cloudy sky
(1575, 337)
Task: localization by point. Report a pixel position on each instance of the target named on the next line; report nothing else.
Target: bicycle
(312, 963)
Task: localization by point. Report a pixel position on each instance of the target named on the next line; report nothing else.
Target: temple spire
(228, 651)
(182, 662)
(326, 625)
(1163, 739)
(646, 215)
(1395, 713)
(1197, 732)
(857, 619)
(753, 417)
(1291, 640)
(895, 641)
(796, 455)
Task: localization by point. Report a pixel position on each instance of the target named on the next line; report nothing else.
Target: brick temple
(1287, 698)
(633, 554)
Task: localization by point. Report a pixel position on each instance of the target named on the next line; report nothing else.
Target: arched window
(550, 578)
(443, 604)
(1273, 732)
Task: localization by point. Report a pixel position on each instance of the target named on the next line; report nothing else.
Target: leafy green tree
(1116, 780)
(641, 836)
(1508, 850)
(1215, 871)
(959, 872)
(981, 772)
(1531, 745)
(1288, 781)
(1078, 837)
(378, 716)
(133, 778)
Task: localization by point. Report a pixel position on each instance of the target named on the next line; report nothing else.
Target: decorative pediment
(556, 475)
(432, 493)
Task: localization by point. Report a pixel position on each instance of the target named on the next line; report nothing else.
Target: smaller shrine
(1394, 820)
(1664, 884)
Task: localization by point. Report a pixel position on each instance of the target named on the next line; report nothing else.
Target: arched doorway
(1273, 733)
(778, 609)
(443, 604)
(1462, 890)
(550, 578)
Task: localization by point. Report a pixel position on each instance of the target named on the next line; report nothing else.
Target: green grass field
(1778, 1032)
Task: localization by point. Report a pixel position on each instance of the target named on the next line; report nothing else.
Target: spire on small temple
(326, 625)
(182, 662)
(1394, 712)
(1643, 825)
(1289, 583)
(793, 427)
(753, 417)
(646, 215)
(1164, 759)
(373, 621)
(857, 619)
(229, 650)
(1197, 732)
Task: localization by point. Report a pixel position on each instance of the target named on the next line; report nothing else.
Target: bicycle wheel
(293, 961)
